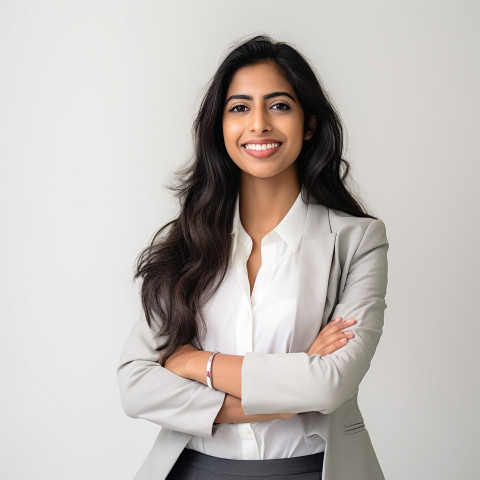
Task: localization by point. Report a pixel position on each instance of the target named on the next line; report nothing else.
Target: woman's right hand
(332, 337)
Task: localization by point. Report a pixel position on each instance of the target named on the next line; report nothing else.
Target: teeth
(261, 146)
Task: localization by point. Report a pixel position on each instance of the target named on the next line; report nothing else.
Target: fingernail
(336, 320)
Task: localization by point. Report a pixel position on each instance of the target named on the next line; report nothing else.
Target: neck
(265, 202)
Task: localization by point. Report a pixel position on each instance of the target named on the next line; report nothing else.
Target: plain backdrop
(96, 105)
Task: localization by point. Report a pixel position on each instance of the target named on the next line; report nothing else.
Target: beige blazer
(343, 273)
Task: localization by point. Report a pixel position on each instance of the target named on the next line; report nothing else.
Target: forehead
(261, 78)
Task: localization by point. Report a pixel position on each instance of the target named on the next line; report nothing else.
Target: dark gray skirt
(193, 465)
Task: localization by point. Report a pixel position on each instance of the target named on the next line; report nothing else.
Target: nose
(259, 121)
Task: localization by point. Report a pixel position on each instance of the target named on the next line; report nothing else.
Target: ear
(312, 125)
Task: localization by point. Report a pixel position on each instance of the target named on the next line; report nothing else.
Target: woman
(264, 299)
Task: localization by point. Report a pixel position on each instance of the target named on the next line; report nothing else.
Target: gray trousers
(193, 465)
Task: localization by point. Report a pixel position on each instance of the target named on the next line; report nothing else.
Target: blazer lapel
(319, 275)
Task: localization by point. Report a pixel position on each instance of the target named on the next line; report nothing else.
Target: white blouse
(264, 322)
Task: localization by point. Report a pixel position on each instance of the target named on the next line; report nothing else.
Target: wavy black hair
(188, 258)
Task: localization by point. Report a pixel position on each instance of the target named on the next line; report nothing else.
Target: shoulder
(357, 236)
(352, 232)
(346, 224)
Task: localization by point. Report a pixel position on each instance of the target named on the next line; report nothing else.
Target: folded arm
(152, 392)
(297, 382)
(319, 380)
(189, 362)
(269, 385)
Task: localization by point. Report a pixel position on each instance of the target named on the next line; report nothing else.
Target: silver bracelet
(209, 369)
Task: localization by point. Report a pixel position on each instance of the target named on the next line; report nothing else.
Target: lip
(261, 153)
(261, 141)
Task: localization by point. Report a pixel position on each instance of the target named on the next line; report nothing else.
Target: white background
(96, 105)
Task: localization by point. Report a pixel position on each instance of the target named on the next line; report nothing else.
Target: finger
(341, 325)
(328, 338)
(322, 346)
(348, 322)
(337, 345)
(338, 327)
(332, 323)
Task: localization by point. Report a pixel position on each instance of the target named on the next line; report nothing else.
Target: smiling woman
(265, 122)
(264, 299)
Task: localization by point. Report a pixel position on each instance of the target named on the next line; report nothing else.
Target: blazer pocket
(354, 428)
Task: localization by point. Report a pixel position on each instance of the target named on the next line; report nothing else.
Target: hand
(177, 361)
(331, 337)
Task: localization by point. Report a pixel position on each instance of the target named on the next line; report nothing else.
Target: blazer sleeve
(297, 382)
(152, 392)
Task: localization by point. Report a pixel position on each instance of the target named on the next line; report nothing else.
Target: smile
(262, 150)
(261, 146)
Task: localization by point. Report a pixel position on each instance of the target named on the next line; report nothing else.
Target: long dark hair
(188, 257)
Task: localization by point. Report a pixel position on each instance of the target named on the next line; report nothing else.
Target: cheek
(231, 130)
(295, 135)
(230, 138)
(298, 132)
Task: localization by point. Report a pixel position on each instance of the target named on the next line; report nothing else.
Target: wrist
(209, 374)
(196, 366)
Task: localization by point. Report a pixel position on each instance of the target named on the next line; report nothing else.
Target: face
(263, 122)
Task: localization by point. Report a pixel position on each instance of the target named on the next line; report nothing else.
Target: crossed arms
(263, 386)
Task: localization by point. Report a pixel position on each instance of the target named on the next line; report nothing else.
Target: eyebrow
(265, 97)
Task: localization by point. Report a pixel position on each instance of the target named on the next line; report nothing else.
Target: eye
(239, 108)
(280, 106)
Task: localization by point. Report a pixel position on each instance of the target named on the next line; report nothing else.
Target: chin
(262, 175)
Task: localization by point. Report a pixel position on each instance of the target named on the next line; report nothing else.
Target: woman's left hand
(177, 361)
